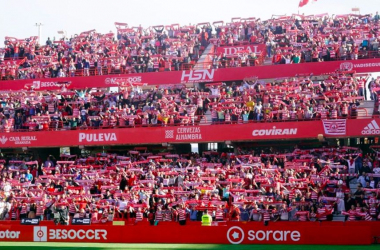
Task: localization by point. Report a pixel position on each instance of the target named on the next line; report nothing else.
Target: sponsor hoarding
(200, 75)
(193, 134)
(336, 233)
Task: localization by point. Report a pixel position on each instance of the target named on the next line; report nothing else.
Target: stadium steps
(365, 109)
(268, 61)
(353, 187)
(339, 217)
(205, 61)
(206, 120)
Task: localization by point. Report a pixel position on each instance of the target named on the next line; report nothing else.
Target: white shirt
(122, 205)
(351, 166)
(215, 91)
(7, 189)
(249, 176)
(376, 170)
(2, 205)
(362, 180)
(258, 108)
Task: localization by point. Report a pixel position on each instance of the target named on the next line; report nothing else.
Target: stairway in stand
(365, 109)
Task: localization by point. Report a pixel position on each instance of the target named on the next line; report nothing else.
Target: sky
(18, 18)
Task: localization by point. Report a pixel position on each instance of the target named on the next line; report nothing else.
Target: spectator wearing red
(182, 214)
(277, 58)
(234, 213)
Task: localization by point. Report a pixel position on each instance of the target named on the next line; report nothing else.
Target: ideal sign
(249, 49)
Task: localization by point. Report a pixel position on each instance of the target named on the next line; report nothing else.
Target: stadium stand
(285, 39)
(297, 38)
(337, 95)
(312, 184)
(107, 178)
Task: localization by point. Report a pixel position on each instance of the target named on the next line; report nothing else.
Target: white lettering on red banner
(97, 137)
(274, 71)
(334, 127)
(49, 84)
(200, 75)
(277, 235)
(236, 235)
(274, 131)
(40, 234)
(39, 84)
(371, 129)
(9, 234)
(249, 49)
(63, 234)
(348, 66)
(242, 233)
(18, 140)
(366, 65)
(120, 80)
(184, 134)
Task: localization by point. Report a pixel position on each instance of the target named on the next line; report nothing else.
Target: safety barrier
(195, 76)
(324, 233)
(339, 128)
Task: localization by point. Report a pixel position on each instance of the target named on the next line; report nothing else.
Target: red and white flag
(334, 127)
(304, 2)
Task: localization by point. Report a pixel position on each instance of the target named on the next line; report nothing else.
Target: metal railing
(93, 71)
(199, 120)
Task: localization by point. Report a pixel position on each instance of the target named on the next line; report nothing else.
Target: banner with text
(191, 134)
(329, 233)
(194, 76)
(258, 49)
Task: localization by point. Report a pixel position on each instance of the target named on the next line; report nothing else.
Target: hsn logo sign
(200, 75)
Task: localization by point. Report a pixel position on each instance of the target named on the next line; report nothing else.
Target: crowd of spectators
(288, 39)
(297, 38)
(251, 185)
(336, 95)
(131, 50)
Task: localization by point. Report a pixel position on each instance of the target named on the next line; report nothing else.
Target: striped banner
(334, 127)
